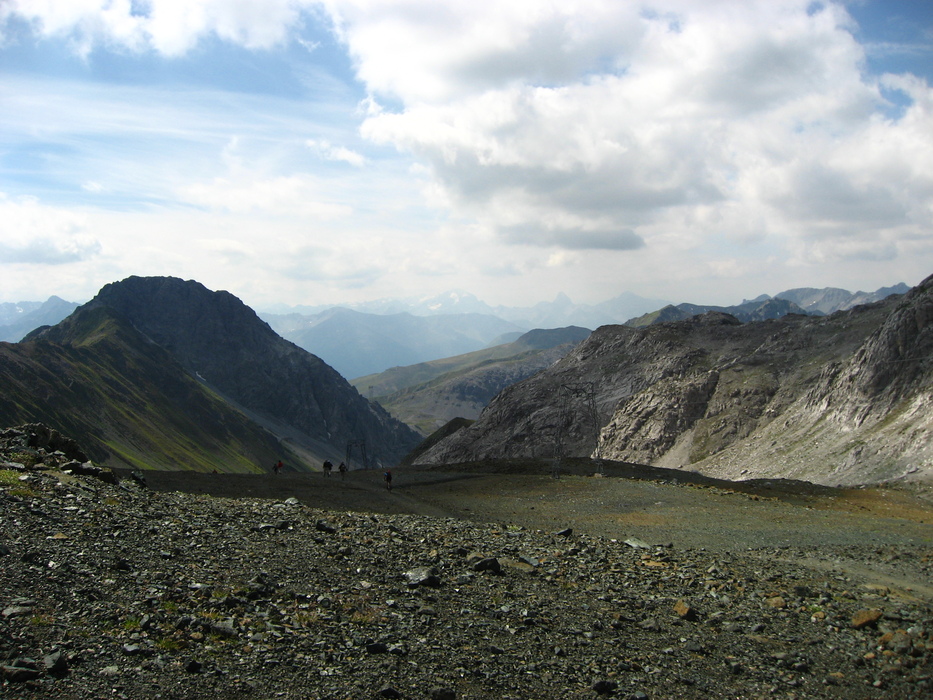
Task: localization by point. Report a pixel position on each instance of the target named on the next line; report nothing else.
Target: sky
(337, 151)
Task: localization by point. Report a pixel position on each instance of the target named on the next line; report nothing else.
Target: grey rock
(488, 564)
(56, 663)
(423, 576)
(605, 687)
(17, 611)
(20, 674)
(324, 526)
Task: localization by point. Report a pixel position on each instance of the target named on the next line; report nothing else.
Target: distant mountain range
(429, 394)
(165, 374)
(156, 372)
(812, 302)
(560, 313)
(357, 344)
(840, 399)
(18, 320)
(368, 338)
(563, 312)
(831, 299)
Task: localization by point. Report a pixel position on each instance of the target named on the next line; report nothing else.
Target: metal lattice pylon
(360, 447)
(576, 399)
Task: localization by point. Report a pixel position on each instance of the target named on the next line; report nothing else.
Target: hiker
(328, 465)
(388, 479)
(278, 467)
(342, 469)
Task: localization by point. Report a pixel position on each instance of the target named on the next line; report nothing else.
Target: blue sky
(305, 152)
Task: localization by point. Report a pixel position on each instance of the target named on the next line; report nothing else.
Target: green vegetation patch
(10, 480)
(27, 459)
(8, 477)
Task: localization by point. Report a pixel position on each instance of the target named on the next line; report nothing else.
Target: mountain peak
(562, 300)
(220, 340)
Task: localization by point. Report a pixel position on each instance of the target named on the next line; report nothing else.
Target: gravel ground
(850, 530)
(120, 590)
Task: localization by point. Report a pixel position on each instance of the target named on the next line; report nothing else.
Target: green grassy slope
(126, 400)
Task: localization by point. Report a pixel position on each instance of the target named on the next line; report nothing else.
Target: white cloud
(295, 195)
(557, 142)
(171, 27)
(753, 113)
(328, 151)
(34, 234)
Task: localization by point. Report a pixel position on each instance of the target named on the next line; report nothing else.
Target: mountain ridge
(94, 376)
(225, 343)
(742, 383)
(18, 320)
(227, 351)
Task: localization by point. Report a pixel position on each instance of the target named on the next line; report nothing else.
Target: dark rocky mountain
(844, 398)
(429, 394)
(18, 320)
(225, 344)
(128, 400)
(357, 344)
(235, 357)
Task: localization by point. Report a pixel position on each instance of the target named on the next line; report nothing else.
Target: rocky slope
(108, 589)
(866, 418)
(731, 399)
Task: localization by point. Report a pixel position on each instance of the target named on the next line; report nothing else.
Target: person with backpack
(388, 479)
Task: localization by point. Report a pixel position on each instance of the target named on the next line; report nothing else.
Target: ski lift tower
(360, 447)
(575, 400)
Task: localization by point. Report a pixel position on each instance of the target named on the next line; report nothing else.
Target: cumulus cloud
(643, 119)
(170, 27)
(572, 238)
(34, 234)
(588, 130)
